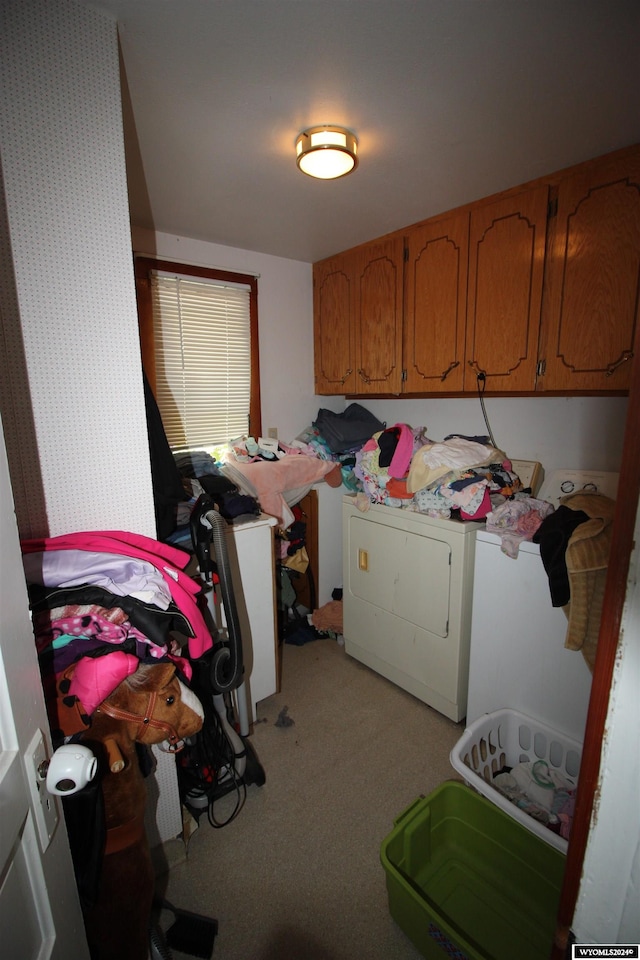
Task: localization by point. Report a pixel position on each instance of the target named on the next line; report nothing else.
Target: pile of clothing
(278, 475)
(280, 483)
(401, 467)
(338, 437)
(103, 602)
(540, 792)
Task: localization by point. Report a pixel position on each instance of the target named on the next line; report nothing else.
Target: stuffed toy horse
(149, 706)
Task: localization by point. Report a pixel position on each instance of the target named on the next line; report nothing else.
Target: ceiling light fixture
(326, 152)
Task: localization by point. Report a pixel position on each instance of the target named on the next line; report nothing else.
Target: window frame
(143, 266)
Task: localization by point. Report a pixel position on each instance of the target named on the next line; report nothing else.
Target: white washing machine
(517, 655)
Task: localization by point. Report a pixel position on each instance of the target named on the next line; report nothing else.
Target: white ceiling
(451, 100)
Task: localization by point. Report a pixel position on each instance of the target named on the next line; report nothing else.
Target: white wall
(72, 396)
(573, 432)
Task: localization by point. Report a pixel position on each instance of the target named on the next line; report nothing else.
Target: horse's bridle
(144, 721)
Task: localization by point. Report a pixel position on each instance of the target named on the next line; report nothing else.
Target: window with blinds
(199, 344)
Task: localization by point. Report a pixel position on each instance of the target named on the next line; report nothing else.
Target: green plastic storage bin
(466, 881)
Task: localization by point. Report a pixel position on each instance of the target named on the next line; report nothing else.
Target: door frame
(622, 536)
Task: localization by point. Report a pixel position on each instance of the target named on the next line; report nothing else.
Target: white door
(40, 914)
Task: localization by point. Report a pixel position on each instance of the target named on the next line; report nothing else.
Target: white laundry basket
(507, 738)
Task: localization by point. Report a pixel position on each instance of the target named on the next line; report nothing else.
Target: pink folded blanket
(279, 484)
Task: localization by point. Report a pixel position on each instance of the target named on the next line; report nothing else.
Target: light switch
(363, 560)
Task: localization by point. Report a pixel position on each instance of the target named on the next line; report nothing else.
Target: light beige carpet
(297, 876)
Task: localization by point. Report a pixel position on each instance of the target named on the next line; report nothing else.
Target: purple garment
(120, 575)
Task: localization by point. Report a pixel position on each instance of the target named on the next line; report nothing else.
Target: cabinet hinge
(552, 208)
(541, 369)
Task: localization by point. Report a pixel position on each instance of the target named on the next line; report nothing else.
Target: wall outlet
(273, 433)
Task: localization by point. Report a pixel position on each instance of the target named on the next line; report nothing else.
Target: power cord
(481, 378)
(210, 769)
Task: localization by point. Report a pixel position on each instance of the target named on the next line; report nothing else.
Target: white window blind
(202, 345)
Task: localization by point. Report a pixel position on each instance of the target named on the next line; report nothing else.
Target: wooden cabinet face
(334, 331)
(594, 279)
(435, 305)
(379, 273)
(532, 302)
(507, 241)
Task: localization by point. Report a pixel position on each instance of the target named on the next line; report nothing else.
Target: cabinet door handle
(627, 355)
(347, 375)
(479, 372)
(364, 377)
(452, 366)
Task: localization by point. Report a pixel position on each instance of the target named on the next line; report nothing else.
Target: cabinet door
(594, 278)
(334, 324)
(379, 281)
(435, 305)
(507, 241)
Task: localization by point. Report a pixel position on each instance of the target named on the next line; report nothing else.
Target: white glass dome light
(327, 152)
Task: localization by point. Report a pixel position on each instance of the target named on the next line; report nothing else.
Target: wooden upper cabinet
(334, 324)
(533, 290)
(358, 320)
(378, 298)
(507, 239)
(435, 305)
(593, 278)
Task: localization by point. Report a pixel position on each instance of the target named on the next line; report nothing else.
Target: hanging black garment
(553, 535)
(168, 491)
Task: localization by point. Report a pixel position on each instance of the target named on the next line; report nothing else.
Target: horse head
(149, 706)
(155, 706)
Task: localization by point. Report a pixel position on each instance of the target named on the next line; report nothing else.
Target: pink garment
(93, 625)
(401, 459)
(269, 481)
(483, 510)
(169, 560)
(95, 678)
